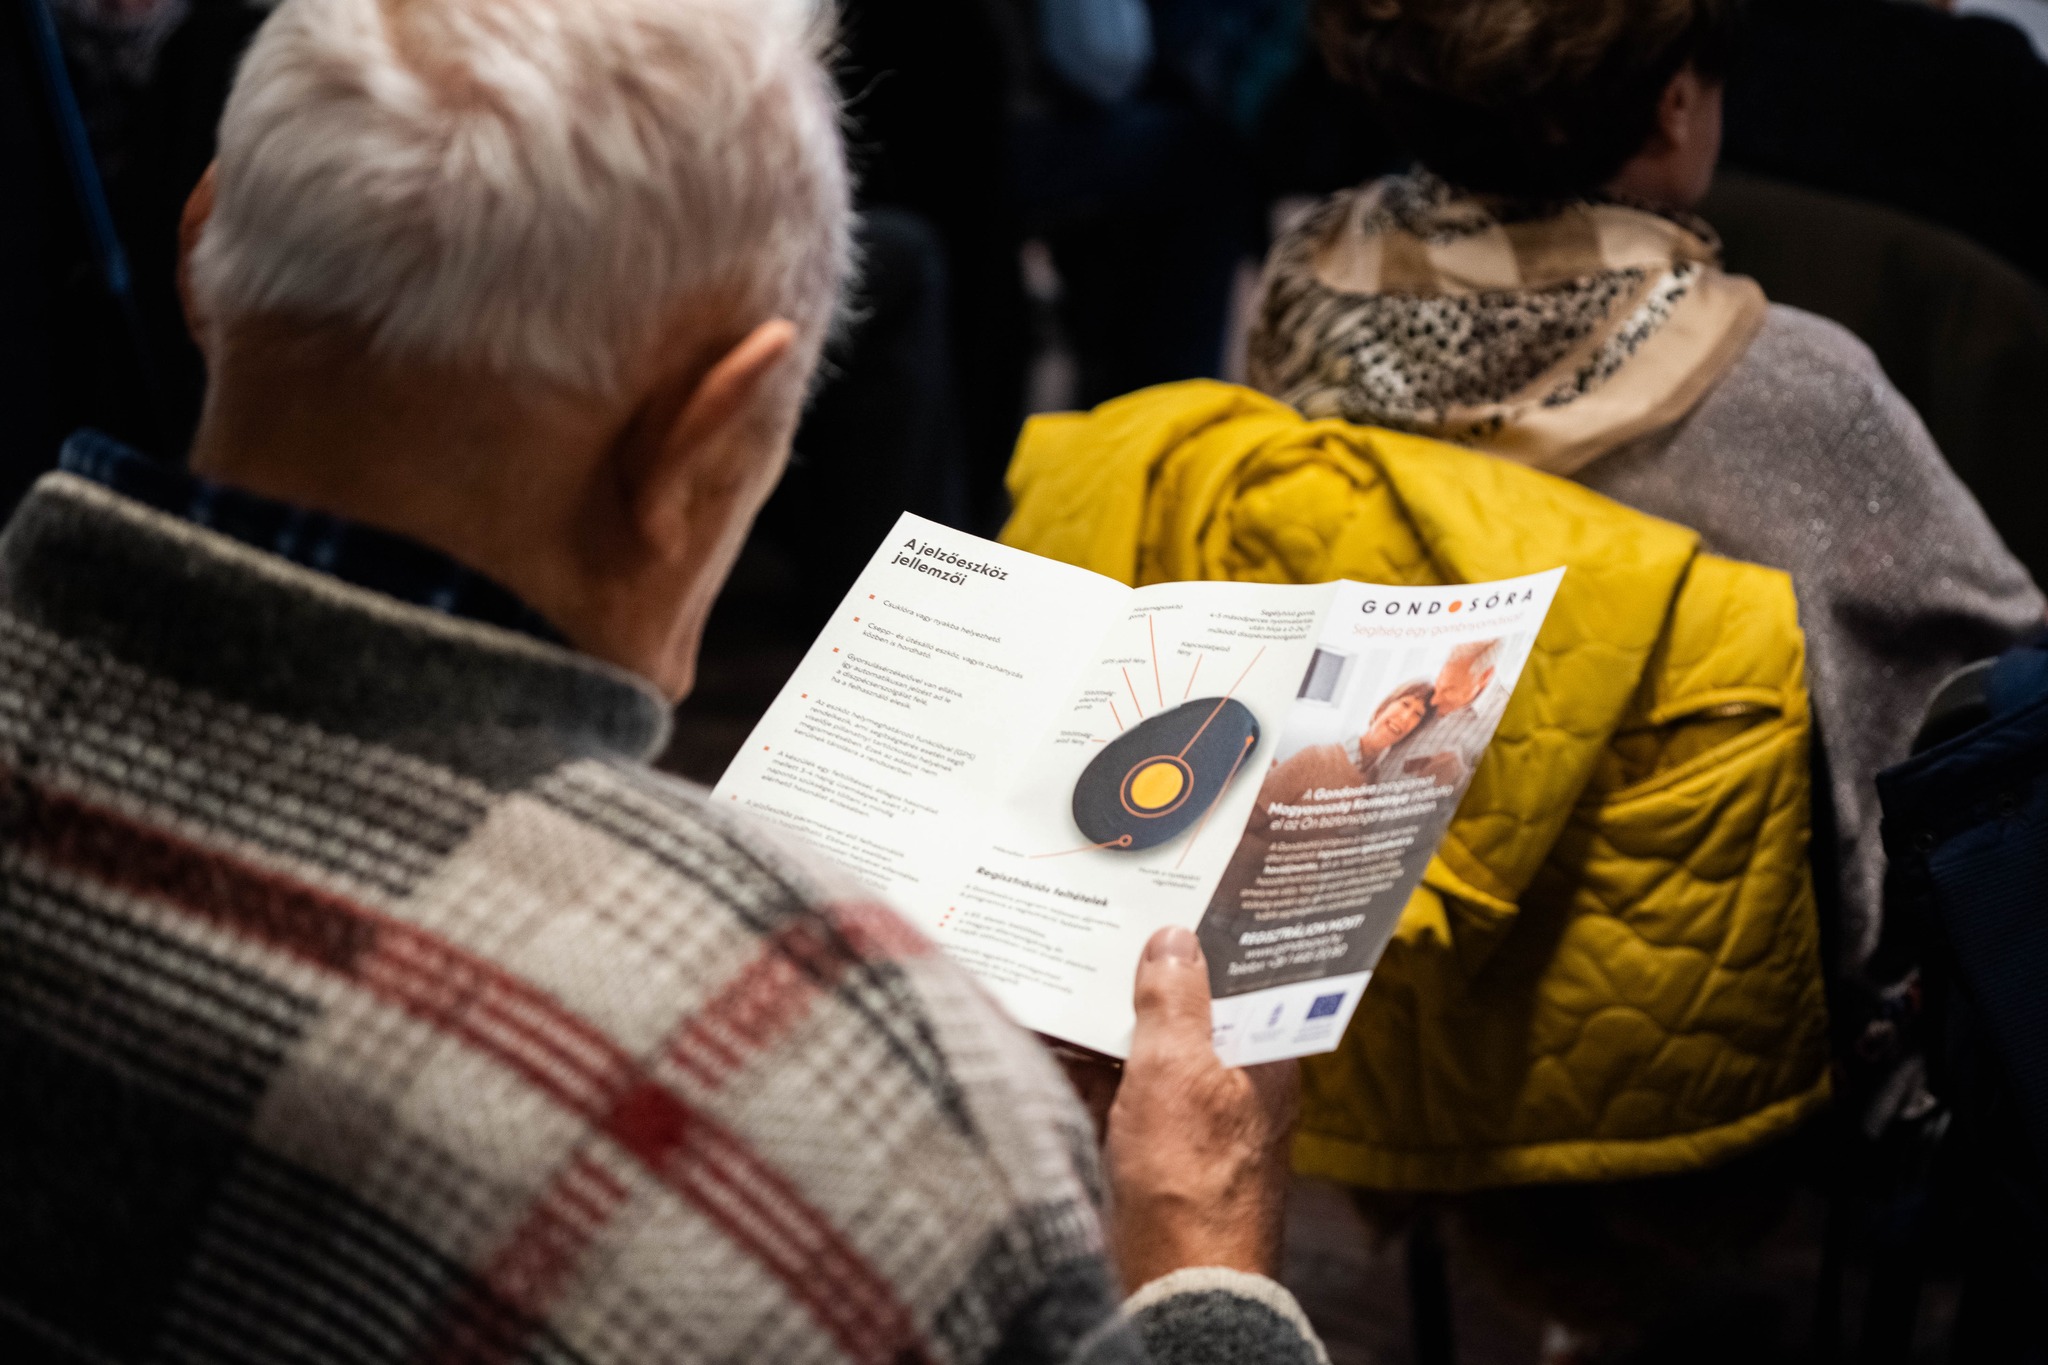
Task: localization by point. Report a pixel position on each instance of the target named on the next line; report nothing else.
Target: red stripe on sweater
(776, 991)
(760, 1005)
(522, 1027)
(530, 1270)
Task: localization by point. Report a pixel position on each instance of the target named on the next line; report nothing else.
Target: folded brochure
(1041, 766)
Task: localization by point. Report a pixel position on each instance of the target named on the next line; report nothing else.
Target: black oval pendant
(1160, 776)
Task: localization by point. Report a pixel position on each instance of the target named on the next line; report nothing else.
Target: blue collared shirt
(381, 561)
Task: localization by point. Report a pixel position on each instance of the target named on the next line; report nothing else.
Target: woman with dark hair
(1538, 289)
(1400, 713)
(1348, 763)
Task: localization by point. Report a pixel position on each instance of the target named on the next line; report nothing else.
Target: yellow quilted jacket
(1611, 969)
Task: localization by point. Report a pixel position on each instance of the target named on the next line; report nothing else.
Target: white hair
(534, 187)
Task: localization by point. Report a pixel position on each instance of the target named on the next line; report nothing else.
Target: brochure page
(1041, 767)
(1393, 713)
(937, 676)
(1122, 819)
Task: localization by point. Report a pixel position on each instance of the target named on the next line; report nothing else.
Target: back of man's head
(528, 188)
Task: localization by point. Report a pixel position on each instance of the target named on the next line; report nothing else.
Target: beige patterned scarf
(1546, 335)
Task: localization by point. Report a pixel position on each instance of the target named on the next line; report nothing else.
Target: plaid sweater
(364, 997)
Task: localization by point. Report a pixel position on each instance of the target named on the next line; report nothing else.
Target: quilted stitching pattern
(1597, 980)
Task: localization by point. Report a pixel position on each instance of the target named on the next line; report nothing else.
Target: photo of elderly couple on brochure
(1365, 783)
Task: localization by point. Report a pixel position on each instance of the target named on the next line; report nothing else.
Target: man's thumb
(1172, 995)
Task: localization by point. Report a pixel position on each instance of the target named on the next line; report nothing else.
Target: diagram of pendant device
(1166, 771)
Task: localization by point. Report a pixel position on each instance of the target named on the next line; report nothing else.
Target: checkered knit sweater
(364, 997)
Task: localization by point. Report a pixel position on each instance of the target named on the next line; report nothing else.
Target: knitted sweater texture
(1805, 458)
(365, 997)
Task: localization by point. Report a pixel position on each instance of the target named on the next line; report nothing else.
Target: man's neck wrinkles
(470, 465)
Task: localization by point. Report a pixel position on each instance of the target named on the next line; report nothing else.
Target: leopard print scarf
(1548, 335)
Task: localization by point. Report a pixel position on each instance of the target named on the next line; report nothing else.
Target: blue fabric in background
(1103, 48)
(1231, 54)
(1966, 831)
(2019, 677)
(1234, 53)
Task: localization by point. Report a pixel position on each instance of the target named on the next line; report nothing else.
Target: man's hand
(1197, 1153)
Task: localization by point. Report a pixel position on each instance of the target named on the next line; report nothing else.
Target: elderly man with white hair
(364, 995)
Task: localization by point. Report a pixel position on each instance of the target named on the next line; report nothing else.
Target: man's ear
(1485, 681)
(693, 456)
(1678, 110)
(192, 222)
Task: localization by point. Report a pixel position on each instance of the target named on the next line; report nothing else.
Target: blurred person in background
(363, 994)
(1114, 132)
(149, 78)
(1538, 289)
(1131, 170)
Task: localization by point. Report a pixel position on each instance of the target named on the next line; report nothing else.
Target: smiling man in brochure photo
(1465, 706)
(364, 994)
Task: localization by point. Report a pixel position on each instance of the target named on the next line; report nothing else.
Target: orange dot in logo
(1457, 606)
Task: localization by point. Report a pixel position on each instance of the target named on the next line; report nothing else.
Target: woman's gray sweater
(1805, 458)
